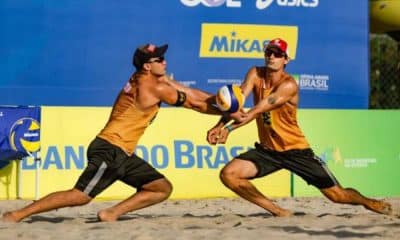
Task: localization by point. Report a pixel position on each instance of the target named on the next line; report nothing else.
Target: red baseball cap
(280, 44)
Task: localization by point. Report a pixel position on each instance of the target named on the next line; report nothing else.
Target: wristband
(229, 128)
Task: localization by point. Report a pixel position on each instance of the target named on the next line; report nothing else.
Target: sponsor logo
(182, 154)
(334, 154)
(212, 3)
(315, 82)
(224, 81)
(359, 162)
(243, 40)
(25, 135)
(259, 4)
(262, 4)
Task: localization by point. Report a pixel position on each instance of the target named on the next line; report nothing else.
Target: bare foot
(10, 217)
(107, 216)
(386, 208)
(381, 207)
(284, 213)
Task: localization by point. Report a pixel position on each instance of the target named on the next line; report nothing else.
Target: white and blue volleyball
(230, 98)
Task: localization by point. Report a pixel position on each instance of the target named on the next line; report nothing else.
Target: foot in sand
(9, 217)
(284, 213)
(107, 216)
(381, 207)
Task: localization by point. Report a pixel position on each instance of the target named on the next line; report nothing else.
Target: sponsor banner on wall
(243, 40)
(361, 148)
(175, 144)
(57, 49)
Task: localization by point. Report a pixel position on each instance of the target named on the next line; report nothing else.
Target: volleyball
(230, 98)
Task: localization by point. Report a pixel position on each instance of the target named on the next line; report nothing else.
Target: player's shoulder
(163, 89)
(287, 78)
(289, 82)
(161, 86)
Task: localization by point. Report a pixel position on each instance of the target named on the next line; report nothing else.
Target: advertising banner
(52, 50)
(361, 148)
(175, 144)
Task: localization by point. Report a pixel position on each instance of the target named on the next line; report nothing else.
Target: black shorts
(108, 163)
(303, 163)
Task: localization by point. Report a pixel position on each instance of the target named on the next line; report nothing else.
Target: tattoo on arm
(271, 100)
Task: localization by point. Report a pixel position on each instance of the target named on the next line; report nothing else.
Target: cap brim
(273, 47)
(160, 51)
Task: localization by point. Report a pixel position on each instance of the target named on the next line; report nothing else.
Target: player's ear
(146, 66)
(287, 60)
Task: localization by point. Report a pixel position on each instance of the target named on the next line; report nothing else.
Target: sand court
(222, 219)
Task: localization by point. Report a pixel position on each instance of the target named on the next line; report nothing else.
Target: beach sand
(222, 219)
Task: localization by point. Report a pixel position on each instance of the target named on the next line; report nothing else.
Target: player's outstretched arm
(176, 94)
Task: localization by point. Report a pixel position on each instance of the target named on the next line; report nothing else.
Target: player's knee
(227, 175)
(167, 189)
(162, 187)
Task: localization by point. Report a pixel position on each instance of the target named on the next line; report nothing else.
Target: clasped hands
(219, 134)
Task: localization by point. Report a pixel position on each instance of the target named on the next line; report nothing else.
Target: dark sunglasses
(277, 54)
(158, 60)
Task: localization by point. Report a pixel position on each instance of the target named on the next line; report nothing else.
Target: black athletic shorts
(303, 163)
(108, 163)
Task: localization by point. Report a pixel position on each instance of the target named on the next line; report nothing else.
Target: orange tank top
(278, 129)
(127, 123)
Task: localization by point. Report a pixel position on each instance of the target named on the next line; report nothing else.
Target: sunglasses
(157, 60)
(277, 54)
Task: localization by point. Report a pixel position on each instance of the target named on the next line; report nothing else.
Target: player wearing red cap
(282, 145)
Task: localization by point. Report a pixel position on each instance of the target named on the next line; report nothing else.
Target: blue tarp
(19, 132)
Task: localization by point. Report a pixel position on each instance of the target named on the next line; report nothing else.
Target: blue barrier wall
(78, 53)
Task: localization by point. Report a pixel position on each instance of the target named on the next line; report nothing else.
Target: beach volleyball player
(282, 144)
(111, 154)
